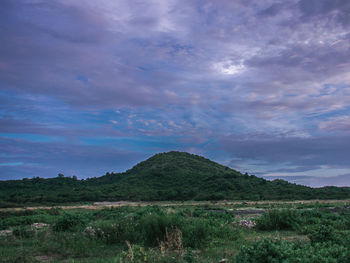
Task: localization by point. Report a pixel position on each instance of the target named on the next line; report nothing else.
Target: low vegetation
(207, 233)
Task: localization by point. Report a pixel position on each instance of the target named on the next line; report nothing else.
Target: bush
(54, 211)
(322, 233)
(265, 251)
(150, 230)
(153, 228)
(23, 231)
(70, 222)
(279, 220)
(196, 233)
(117, 232)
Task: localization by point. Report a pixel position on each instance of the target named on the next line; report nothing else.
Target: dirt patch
(278, 235)
(248, 212)
(47, 258)
(100, 205)
(5, 233)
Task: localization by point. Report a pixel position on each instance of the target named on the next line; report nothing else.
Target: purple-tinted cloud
(296, 151)
(316, 181)
(261, 86)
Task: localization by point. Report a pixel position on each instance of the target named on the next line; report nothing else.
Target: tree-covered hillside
(165, 176)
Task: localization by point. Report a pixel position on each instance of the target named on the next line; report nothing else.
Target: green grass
(176, 234)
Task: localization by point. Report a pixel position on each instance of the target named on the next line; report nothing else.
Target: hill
(165, 176)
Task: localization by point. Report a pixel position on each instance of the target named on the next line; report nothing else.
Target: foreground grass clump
(70, 222)
(177, 234)
(279, 220)
(268, 251)
(150, 229)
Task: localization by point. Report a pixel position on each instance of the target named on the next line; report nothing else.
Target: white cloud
(339, 123)
(113, 121)
(228, 68)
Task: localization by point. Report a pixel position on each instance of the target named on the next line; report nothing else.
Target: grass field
(302, 231)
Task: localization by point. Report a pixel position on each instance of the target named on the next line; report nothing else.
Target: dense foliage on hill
(165, 176)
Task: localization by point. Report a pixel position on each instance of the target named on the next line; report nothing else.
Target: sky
(89, 87)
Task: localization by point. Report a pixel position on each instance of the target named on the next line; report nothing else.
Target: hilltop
(164, 176)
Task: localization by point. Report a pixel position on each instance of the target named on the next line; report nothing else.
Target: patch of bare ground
(225, 203)
(277, 235)
(5, 233)
(47, 258)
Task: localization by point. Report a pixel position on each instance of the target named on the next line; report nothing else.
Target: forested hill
(165, 176)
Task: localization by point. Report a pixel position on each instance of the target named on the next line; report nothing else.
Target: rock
(5, 233)
(90, 231)
(247, 223)
(223, 260)
(39, 225)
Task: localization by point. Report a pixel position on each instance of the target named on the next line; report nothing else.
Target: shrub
(188, 257)
(117, 232)
(322, 233)
(196, 233)
(226, 231)
(153, 228)
(54, 211)
(23, 231)
(70, 222)
(265, 251)
(279, 220)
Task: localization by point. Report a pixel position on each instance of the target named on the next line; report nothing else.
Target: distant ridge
(164, 176)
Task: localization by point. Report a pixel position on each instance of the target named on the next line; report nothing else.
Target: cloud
(265, 84)
(314, 181)
(337, 10)
(338, 123)
(291, 151)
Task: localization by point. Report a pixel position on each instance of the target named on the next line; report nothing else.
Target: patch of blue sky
(43, 109)
(53, 110)
(329, 89)
(11, 164)
(102, 116)
(329, 114)
(157, 63)
(32, 137)
(82, 78)
(137, 144)
(124, 114)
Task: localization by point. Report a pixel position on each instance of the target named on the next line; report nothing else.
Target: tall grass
(285, 219)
